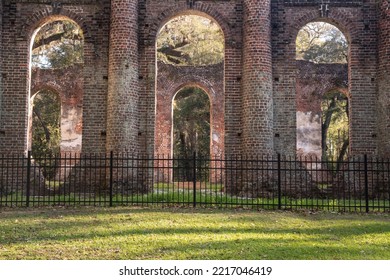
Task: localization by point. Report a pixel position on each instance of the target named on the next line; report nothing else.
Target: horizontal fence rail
(360, 184)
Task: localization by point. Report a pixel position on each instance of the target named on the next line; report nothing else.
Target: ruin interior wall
(260, 72)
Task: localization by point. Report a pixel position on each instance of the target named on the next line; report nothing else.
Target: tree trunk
(325, 126)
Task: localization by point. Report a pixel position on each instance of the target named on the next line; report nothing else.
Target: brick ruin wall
(20, 20)
(313, 81)
(1, 72)
(68, 85)
(261, 77)
(383, 94)
(172, 79)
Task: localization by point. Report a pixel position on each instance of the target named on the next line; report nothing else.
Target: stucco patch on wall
(309, 134)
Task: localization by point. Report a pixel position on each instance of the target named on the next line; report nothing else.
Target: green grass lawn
(188, 234)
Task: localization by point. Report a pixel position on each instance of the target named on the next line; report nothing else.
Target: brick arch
(335, 18)
(313, 81)
(43, 16)
(354, 29)
(210, 92)
(331, 89)
(152, 27)
(192, 81)
(68, 82)
(170, 80)
(50, 87)
(71, 116)
(196, 83)
(200, 9)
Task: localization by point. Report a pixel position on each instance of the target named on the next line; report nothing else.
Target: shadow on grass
(270, 249)
(256, 229)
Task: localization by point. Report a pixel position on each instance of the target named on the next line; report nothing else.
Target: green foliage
(335, 126)
(46, 136)
(321, 42)
(190, 40)
(58, 44)
(191, 118)
(191, 132)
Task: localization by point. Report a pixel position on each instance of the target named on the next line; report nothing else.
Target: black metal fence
(361, 184)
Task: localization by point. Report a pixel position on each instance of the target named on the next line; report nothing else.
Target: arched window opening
(58, 44)
(335, 128)
(191, 130)
(46, 130)
(189, 51)
(190, 40)
(57, 48)
(322, 119)
(321, 42)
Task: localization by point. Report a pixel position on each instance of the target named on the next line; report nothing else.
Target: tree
(321, 42)
(190, 40)
(335, 124)
(46, 135)
(191, 118)
(191, 133)
(58, 44)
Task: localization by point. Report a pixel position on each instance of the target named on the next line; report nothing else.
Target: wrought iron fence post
(279, 184)
(366, 182)
(28, 178)
(194, 179)
(111, 175)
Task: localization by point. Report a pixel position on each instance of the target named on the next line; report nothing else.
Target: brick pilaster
(257, 120)
(123, 86)
(383, 81)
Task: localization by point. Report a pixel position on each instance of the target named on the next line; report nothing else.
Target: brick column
(383, 114)
(1, 62)
(257, 104)
(123, 84)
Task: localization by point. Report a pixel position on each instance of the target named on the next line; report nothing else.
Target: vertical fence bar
(11, 178)
(279, 184)
(5, 164)
(111, 175)
(366, 182)
(376, 178)
(15, 163)
(386, 204)
(251, 169)
(194, 179)
(28, 178)
(1, 177)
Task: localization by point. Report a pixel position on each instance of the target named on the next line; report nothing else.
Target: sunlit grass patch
(184, 233)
